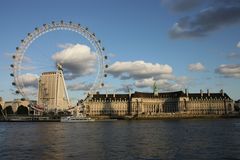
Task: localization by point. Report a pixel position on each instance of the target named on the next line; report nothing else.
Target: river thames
(152, 139)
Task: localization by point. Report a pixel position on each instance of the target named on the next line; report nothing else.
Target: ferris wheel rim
(38, 32)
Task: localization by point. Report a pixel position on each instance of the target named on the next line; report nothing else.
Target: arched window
(0, 109)
(22, 110)
(185, 105)
(8, 110)
(229, 107)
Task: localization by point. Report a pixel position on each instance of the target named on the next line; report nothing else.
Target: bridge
(15, 107)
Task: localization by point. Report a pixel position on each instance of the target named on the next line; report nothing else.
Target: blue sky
(177, 43)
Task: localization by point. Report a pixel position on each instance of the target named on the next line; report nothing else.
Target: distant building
(156, 104)
(52, 93)
(108, 104)
(1, 102)
(16, 106)
(237, 105)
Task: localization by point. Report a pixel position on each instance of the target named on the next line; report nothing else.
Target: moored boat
(78, 118)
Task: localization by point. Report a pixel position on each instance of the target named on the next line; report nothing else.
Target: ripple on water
(169, 139)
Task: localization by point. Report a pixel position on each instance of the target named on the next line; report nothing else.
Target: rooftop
(175, 94)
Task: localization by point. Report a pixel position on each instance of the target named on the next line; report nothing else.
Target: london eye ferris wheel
(20, 55)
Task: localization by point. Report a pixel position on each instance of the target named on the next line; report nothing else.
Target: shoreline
(189, 117)
(113, 118)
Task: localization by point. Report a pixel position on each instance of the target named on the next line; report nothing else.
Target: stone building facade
(208, 103)
(15, 107)
(237, 105)
(1, 102)
(157, 104)
(108, 104)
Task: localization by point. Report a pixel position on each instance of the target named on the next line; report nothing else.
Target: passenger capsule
(103, 49)
(13, 57)
(11, 74)
(106, 66)
(17, 92)
(105, 75)
(12, 65)
(102, 84)
(13, 83)
(105, 57)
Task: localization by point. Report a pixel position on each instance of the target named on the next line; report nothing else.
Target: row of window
(109, 100)
(120, 107)
(205, 106)
(213, 109)
(109, 112)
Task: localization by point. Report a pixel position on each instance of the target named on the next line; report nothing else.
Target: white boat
(78, 118)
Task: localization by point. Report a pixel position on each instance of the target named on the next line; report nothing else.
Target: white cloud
(112, 55)
(26, 59)
(164, 84)
(27, 68)
(196, 67)
(79, 87)
(125, 88)
(138, 69)
(238, 44)
(29, 80)
(143, 83)
(66, 45)
(166, 76)
(233, 55)
(77, 60)
(7, 54)
(30, 91)
(229, 70)
(145, 74)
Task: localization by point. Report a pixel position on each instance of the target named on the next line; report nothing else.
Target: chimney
(106, 94)
(155, 89)
(129, 93)
(201, 92)
(208, 93)
(91, 95)
(222, 92)
(186, 92)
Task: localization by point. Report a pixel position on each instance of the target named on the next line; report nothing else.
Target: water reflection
(171, 139)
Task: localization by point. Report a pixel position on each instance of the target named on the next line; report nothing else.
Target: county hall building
(158, 104)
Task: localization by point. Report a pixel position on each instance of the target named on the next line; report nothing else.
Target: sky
(179, 44)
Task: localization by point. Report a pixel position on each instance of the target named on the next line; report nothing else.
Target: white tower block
(52, 92)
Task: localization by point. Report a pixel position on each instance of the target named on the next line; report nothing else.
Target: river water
(153, 139)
